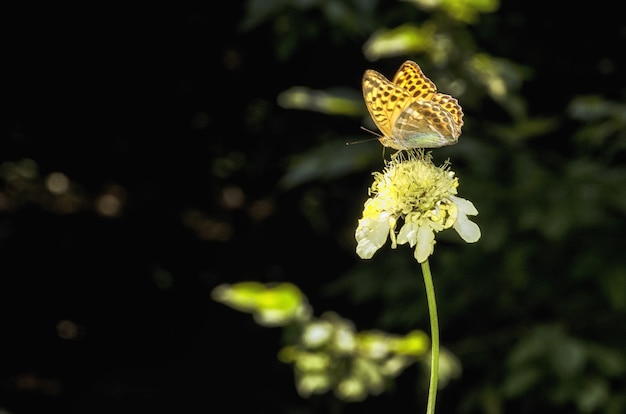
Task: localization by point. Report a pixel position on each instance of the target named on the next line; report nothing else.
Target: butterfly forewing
(385, 101)
(411, 78)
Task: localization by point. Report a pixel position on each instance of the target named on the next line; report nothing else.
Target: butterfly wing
(451, 105)
(439, 122)
(384, 100)
(424, 124)
(411, 78)
(408, 110)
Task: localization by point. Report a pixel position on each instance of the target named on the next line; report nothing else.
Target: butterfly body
(409, 112)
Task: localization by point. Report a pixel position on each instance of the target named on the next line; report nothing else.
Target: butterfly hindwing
(451, 105)
(424, 124)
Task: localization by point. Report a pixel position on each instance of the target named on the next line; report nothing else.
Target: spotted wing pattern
(409, 111)
(411, 78)
(384, 100)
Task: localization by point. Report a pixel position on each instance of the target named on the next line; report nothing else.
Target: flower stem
(434, 337)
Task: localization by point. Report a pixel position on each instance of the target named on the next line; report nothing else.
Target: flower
(423, 196)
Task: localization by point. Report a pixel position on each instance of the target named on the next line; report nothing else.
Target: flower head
(423, 196)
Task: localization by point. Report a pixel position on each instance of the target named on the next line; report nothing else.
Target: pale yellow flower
(422, 196)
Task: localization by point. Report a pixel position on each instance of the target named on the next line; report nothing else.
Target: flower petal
(465, 206)
(371, 235)
(468, 230)
(408, 234)
(425, 243)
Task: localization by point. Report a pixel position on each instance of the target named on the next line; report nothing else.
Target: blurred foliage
(179, 153)
(551, 199)
(327, 353)
(330, 102)
(271, 305)
(579, 373)
(23, 186)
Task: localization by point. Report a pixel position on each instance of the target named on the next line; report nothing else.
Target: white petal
(371, 235)
(425, 243)
(366, 249)
(408, 234)
(465, 206)
(468, 230)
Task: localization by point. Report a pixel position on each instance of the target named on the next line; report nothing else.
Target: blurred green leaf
(331, 102)
(406, 39)
(466, 11)
(271, 305)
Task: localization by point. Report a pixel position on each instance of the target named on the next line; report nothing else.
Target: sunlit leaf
(332, 102)
(402, 40)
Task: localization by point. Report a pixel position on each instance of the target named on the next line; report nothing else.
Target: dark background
(175, 113)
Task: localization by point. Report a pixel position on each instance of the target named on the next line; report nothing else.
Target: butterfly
(409, 112)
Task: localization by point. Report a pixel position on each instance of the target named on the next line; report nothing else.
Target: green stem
(434, 338)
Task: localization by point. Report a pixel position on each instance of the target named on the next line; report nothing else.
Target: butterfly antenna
(371, 132)
(378, 136)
